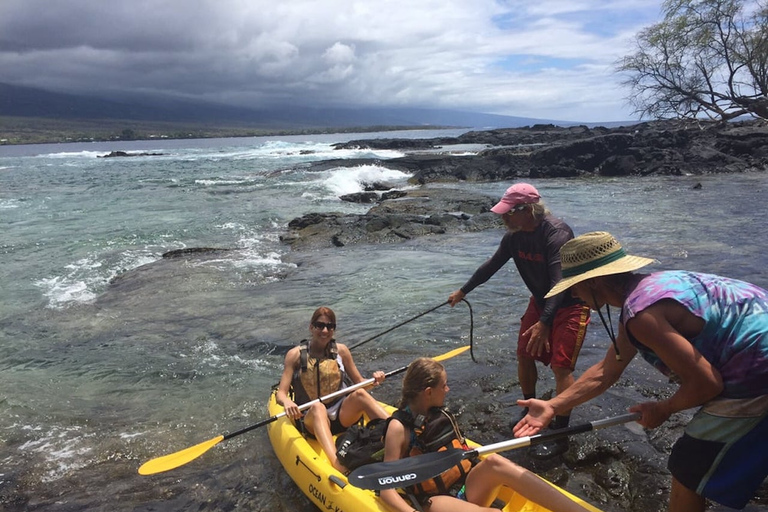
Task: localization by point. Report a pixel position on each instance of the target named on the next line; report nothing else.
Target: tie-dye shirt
(735, 334)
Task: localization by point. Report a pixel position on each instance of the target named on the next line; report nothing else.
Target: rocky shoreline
(621, 468)
(659, 148)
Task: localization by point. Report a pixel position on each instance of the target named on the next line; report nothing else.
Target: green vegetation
(37, 130)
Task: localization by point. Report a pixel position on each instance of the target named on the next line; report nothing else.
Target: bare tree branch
(705, 58)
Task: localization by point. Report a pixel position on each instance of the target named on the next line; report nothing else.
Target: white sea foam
(62, 448)
(210, 354)
(255, 251)
(84, 279)
(76, 154)
(9, 204)
(125, 435)
(348, 180)
(288, 151)
(224, 181)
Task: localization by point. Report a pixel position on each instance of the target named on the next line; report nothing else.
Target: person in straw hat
(552, 329)
(707, 333)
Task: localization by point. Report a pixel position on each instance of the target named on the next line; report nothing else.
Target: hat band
(591, 265)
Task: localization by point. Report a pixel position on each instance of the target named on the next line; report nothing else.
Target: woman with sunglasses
(317, 368)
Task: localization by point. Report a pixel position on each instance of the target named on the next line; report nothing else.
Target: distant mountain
(18, 101)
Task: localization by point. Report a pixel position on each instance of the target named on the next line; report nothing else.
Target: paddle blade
(174, 460)
(397, 474)
(452, 353)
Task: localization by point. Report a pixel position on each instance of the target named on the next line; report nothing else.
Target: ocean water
(111, 355)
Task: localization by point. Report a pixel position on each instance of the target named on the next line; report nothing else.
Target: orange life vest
(438, 431)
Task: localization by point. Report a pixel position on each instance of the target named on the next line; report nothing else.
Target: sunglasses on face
(516, 209)
(323, 325)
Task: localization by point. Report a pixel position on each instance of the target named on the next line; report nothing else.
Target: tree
(706, 58)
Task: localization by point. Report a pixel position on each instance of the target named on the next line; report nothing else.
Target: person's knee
(317, 410)
(360, 396)
(497, 464)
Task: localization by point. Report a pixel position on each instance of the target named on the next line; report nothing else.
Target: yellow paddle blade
(454, 352)
(177, 459)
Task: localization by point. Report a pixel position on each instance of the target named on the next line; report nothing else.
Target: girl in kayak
(424, 388)
(317, 368)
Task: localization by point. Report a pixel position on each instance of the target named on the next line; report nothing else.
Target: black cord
(398, 325)
(471, 331)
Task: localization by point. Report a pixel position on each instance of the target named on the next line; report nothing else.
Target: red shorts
(565, 337)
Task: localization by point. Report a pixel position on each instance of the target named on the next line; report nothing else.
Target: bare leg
(356, 404)
(484, 480)
(528, 375)
(317, 422)
(682, 499)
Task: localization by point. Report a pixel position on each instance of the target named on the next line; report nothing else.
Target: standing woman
(707, 333)
(424, 387)
(319, 367)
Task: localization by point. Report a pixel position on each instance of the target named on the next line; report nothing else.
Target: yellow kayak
(328, 489)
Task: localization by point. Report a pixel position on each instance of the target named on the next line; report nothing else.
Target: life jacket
(437, 431)
(317, 377)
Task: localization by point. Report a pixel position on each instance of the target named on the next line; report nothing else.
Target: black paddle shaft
(401, 473)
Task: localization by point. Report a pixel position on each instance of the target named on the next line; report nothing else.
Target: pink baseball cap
(517, 194)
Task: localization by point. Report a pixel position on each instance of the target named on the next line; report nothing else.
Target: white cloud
(549, 58)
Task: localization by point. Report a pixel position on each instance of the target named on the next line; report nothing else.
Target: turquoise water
(111, 356)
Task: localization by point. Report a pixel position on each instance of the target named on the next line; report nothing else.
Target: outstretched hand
(540, 413)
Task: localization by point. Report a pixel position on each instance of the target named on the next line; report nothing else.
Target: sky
(546, 59)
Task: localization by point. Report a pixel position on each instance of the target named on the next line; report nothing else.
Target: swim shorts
(722, 454)
(565, 338)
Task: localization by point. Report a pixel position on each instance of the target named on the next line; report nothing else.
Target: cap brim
(501, 208)
(625, 264)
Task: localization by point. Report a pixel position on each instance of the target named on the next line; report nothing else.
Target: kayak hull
(306, 464)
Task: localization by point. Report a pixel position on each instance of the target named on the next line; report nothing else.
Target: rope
(471, 331)
(471, 327)
(398, 325)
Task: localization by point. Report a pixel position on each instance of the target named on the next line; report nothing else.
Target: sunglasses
(323, 325)
(516, 209)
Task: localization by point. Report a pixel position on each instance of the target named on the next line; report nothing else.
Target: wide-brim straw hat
(592, 255)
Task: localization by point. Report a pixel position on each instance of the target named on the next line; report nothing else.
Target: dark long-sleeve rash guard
(537, 257)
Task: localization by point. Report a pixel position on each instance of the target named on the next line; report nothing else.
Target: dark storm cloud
(447, 53)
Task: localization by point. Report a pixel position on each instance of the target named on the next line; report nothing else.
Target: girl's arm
(395, 446)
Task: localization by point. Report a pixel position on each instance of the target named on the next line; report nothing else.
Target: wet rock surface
(399, 216)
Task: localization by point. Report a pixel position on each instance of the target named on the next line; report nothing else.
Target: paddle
(174, 460)
(412, 470)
